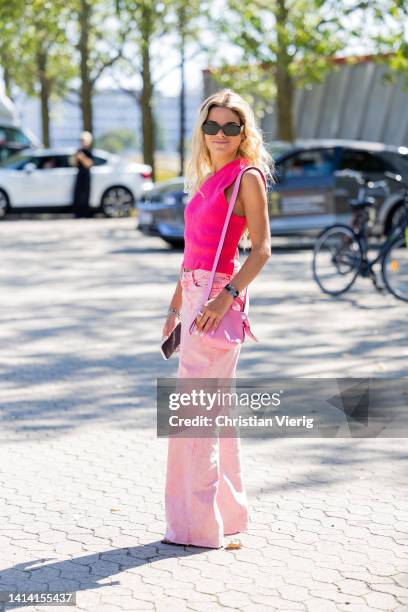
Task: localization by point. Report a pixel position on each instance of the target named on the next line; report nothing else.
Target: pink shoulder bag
(234, 325)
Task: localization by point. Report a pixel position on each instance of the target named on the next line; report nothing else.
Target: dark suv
(315, 183)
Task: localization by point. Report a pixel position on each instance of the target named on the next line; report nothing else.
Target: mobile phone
(171, 343)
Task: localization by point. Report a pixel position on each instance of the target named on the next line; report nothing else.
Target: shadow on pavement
(84, 573)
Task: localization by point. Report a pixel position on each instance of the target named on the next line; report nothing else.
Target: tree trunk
(86, 82)
(7, 82)
(44, 97)
(147, 92)
(182, 90)
(284, 83)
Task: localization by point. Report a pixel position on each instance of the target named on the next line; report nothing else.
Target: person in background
(84, 162)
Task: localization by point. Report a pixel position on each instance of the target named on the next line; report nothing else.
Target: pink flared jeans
(205, 496)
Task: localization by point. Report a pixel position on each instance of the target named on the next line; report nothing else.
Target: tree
(10, 14)
(152, 21)
(284, 44)
(146, 19)
(187, 16)
(100, 41)
(36, 35)
(392, 41)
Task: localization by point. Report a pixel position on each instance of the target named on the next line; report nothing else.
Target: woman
(205, 495)
(84, 161)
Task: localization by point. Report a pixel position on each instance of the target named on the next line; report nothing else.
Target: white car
(42, 180)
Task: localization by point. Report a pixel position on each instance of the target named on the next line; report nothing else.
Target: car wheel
(117, 202)
(4, 204)
(395, 218)
(174, 242)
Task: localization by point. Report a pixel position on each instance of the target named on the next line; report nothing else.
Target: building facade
(353, 101)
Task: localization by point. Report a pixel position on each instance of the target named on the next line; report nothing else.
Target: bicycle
(341, 251)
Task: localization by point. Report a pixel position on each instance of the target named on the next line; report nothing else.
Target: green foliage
(117, 140)
(392, 40)
(35, 34)
(299, 36)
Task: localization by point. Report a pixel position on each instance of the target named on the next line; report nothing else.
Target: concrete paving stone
(392, 589)
(353, 587)
(250, 587)
(403, 600)
(208, 607)
(95, 549)
(316, 604)
(292, 593)
(306, 537)
(278, 603)
(191, 595)
(103, 568)
(319, 560)
(88, 598)
(401, 579)
(326, 575)
(142, 605)
(378, 569)
(265, 579)
(356, 608)
(106, 607)
(163, 604)
(260, 608)
(234, 599)
(314, 585)
(380, 601)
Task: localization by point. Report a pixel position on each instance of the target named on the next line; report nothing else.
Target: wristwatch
(232, 290)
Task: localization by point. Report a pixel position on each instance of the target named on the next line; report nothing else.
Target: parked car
(314, 183)
(42, 180)
(161, 211)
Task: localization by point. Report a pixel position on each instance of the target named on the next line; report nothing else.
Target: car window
(13, 135)
(6, 152)
(16, 162)
(98, 161)
(171, 188)
(318, 162)
(50, 162)
(362, 161)
(46, 162)
(397, 162)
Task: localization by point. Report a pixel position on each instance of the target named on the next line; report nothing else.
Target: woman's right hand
(169, 325)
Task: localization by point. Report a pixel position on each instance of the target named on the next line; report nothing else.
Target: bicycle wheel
(336, 259)
(394, 268)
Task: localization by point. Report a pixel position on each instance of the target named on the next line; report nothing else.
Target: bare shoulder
(252, 182)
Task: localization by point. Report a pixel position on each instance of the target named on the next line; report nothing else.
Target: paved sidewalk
(82, 471)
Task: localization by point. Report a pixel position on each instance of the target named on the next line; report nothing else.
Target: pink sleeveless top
(204, 217)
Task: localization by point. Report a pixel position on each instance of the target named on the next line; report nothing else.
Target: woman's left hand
(213, 311)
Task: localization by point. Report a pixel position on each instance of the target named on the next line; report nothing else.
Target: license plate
(145, 217)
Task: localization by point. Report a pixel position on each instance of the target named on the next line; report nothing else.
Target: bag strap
(231, 205)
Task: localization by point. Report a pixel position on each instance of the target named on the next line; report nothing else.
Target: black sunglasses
(212, 128)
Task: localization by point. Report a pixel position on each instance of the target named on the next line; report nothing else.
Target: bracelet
(232, 290)
(174, 311)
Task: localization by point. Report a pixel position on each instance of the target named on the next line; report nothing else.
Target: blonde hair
(199, 166)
